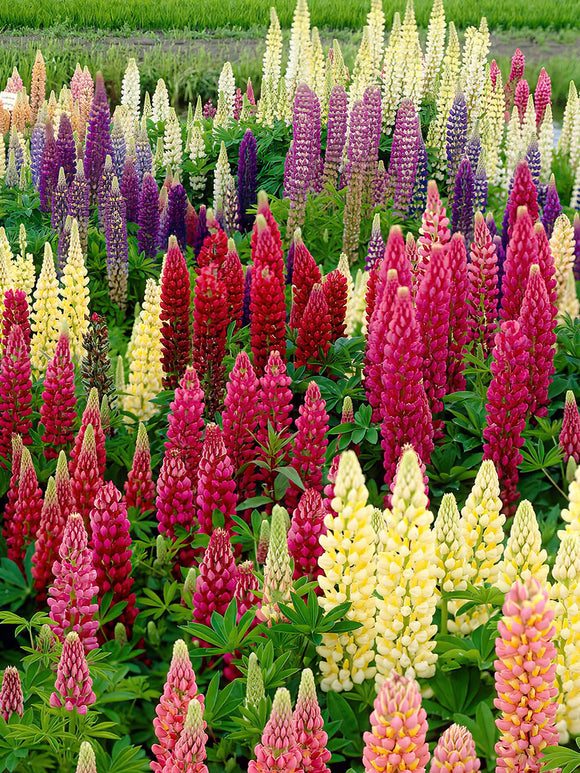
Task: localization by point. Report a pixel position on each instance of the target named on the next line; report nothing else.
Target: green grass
(211, 14)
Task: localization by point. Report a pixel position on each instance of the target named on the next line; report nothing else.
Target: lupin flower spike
(22, 528)
(455, 751)
(48, 540)
(216, 581)
(86, 480)
(309, 727)
(570, 433)
(139, 487)
(278, 749)
(254, 682)
(304, 534)
(175, 314)
(216, 489)
(310, 442)
(524, 556)
(11, 697)
(277, 570)
(73, 686)
(58, 408)
(86, 762)
(189, 752)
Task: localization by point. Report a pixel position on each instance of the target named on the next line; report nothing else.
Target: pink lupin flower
(86, 479)
(174, 500)
(12, 493)
(396, 742)
(74, 586)
(525, 678)
(64, 492)
(542, 96)
(570, 433)
(309, 451)
(91, 415)
(304, 534)
(216, 488)
(246, 585)
(483, 286)
(189, 753)
(405, 414)
(371, 293)
(522, 252)
(494, 71)
(231, 273)
(239, 418)
(185, 419)
(216, 581)
(309, 727)
(314, 331)
(58, 407)
(458, 313)
(15, 391)
(434, 227)
(335, 289)
(278, 750)
(48, 540)
(523, 194)
(180, 688)
(506, 407)
(376, 340)
(73, 685)
(11, 697)
(433, 306)
(455, 751)
(22, 527)
(521, 95)
(306, 274)
(175, 315)
(112, 553)
(139, 486)
(538, 324)
(395, 257)
(15, 312)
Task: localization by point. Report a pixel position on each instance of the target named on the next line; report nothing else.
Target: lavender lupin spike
(419, 200)
(462, 209)
(480, 188)
(247, 180)
(116, 242)
(143, 155)
(473, 150)
(534, 160)
(336, 134)
(404, 160)
(36, 151)
(148, 217)
(119, 148)
(48, 169)
(78, 203)
(552, 207)
(376, 245)
(98, 143)
(456, 135)
(172, 222)
(66, 152)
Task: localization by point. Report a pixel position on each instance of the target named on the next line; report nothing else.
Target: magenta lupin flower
(483, 286)
(434, 227)
(21, 530)
(12, 493)
(184, 433)
(376, 341)
(74, 586)
(48, 540)
(306, 274)
(304, 534)
(15, 391)
(179, 690)
(525, 678)
(395, 257)
(139, 486)
(239, 419)
(216, 489)
(58, 407)
(455, 752)
(174, 496)
(507, 405)
(246, 585)
(63, 485)
(523, 194)
(275, 401)
(570, 433)
(189, 752)
(522, 252)
(216, 581)
(538, 324)
(404, 411)
(232, 275)
(521, 95)
(404, 155)
(73, 685)
(335, 289)
(310, 443)
(112, 553)
(458, 313)
(337, 129)
(397, 742)
(91, 415)
(433, 306)
(542, 96)
(278, 750)
(15, 312)
(11, 697)
(309, 727)
(86, 480)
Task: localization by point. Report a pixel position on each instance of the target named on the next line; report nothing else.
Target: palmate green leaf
(568, 760)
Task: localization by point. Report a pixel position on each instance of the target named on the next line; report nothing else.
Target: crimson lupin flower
(314, 331)
(139, 486)
(216, 489)
(11, 697)
(58, 408)
(185, 419)
(309, 449)
(175, 314)
(15, 391)
(303, 537)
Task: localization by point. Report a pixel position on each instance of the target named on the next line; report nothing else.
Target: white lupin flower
(570, 112)
(299, 68)
(172, 146)
(197, 153)
(376, 27)
(435, 46)
(221, 177)
(562, 246)
(271, 69)
(160, 107)
(413, 71)
(392, 75)
(226, 97)
(131, 89)
(546, 144)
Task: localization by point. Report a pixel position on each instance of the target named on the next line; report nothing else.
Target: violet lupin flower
(172, 221)
(552, 208)
(59, 203)
(36, 152)
(404, 156)
(473, 150)
(119, 147)
(419, 199)
(456, 135)
(66, 152)
(117, 250)
(247, 180)
(480, 188)
(247, 297)
(143, 155)
(534, 161)
(201, 231)
(98, 143)
(336, 134)
(462, 208)
(78, 205)
(358, 144)
(48, 169)
(130, 190)
(148, 217)
(376, 245)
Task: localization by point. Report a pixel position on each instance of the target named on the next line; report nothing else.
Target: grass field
(211, 14)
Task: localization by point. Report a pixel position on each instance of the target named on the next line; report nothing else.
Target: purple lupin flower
(36, 152)
(104, 189)
(473, 150)
(119, 148)
(247, 180)
(404, 156)
(534, 160)
(201, 230)
(372, 100)
(48, 168)
(290, 261)
(130, 190)
(358, 144)
(456, 136)
(247, 297)
(380, 185)
(66, 152)
(143, 154)
(303, 165)
(480, 188)
(490, 223)
(462, 209)
(336, 134)
(59, 202)
(116, 241)
(172, 221)
(552, 207)
(98, 143)
(63, 245)
(376, 249)
(148, 218)
(419, 200)
(78, 203)
(14, 145)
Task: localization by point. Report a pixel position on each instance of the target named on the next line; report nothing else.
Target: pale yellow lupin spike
(407, 574)
(24, 274)
(523, 556)
(450, 546)
(355, 311)
(221, 177)
(413, 71)
(571, 514)
(569, 119)
(160, 104)
(435, 46)
(562, 247)
(172, 146)
(319, 73)
(472, 77)
(74, 294)
(376, 27)
(363, 74)
(271, 69)
(569, 303)
(45, 319)
(348, 574)
(131, 89)
(120, 375)
(226, 97)
(492, 126)
(392, 76)
(300, 66)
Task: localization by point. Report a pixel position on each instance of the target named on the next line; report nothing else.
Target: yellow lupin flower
(299, 68)
(392, 75)
(339, 73)
(450, 547)
(523, 556)
(226, 96)
(445, 94)
(566, 595)
(376, 27)
(472, 79)
(435, 46)
(569, 303)
(412, 56)
(172, 147)
(571, 514)
(562, 246)
(23, 271)
(74, 294)
(355, 311)
(569, 119)
(363, 73)
(349, 574)
(45, 317)
(271, 69)
(221, 177)
(492, 126)
(407, 574)
(546, 144)
(38, 84)
(319, 72)
(160, 106)
(2, 156)
(145, 370)
(6, 267)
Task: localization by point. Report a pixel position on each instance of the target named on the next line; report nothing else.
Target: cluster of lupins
(467, 285)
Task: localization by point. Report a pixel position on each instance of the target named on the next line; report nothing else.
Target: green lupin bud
(254, 682)
(120, 634)
(153, 634)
